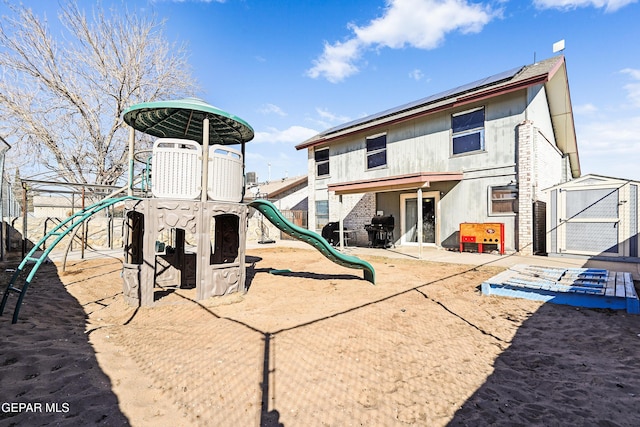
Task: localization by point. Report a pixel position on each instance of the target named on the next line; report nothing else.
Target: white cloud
(633, 93)
(635, 74)
(608, 140)
(608, 5)
(272, 109)
(585, 109)
(336, 62)
(617, 136)
(331, 117)
(610, 147)
(422, 24)
(276, 164)
(291, 135)
(416, 74)
(633, 89)
(326, 119)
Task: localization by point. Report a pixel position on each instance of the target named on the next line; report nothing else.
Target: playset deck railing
(176, 171)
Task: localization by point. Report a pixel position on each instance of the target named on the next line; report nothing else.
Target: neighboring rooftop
(272, 189)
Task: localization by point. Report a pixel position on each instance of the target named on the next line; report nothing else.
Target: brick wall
(540, 165)
(526, 177)
(357, 210)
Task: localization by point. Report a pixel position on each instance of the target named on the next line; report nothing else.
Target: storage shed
(594, 216)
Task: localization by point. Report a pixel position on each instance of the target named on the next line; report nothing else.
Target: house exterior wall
(317, 193)
(549, 165)
(357, 211)
(540, 165)
(259, 229)
(424, 144)
(538, 110)
(469, 202)
(287, 200)
(513, 152)
(312, 186)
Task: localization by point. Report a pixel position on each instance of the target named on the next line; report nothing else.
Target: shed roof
(593, 180)
(550, 72)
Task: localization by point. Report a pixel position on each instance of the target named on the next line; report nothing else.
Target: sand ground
(317, 346)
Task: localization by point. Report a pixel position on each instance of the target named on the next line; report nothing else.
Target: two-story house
(481, 152)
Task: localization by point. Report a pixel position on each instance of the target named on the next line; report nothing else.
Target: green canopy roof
(183, 119)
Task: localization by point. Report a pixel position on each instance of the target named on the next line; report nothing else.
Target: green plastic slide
(272, 213)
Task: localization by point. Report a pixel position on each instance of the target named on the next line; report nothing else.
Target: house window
(322, 214)
(322, 162)
(468, 131)
(503, 199)
(376, 151)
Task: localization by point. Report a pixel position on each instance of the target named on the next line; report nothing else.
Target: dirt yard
(317, 346)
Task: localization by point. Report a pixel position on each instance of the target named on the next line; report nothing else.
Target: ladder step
(28, 258)
(16, 290)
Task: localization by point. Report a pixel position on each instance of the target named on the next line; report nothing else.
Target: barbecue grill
(380, 231)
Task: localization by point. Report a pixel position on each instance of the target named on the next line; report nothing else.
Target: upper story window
(322, 162)
(467, 131)
(376, 151)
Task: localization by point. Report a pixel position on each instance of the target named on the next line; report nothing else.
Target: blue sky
(294, 68)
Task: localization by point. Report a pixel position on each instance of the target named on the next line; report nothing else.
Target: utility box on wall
(488, 233)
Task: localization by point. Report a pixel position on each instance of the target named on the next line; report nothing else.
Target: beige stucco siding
(548, 162)
(424, 145)
(419, 145)
(538, 111)
(468, 202)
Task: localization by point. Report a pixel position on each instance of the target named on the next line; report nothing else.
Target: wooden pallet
(580, 287)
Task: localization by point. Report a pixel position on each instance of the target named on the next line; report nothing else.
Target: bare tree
(62, 97)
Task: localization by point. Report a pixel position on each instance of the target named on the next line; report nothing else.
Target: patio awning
(394, 183)
(183, 119)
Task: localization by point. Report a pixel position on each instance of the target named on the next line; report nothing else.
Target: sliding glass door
(410, 221)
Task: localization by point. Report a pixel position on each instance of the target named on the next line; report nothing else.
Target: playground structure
(191, 231)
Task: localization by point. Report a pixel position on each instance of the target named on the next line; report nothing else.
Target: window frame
(505, 188)
(224, 245)
(323, 162)
(479, 130)
(320, 224)
(375, 151)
